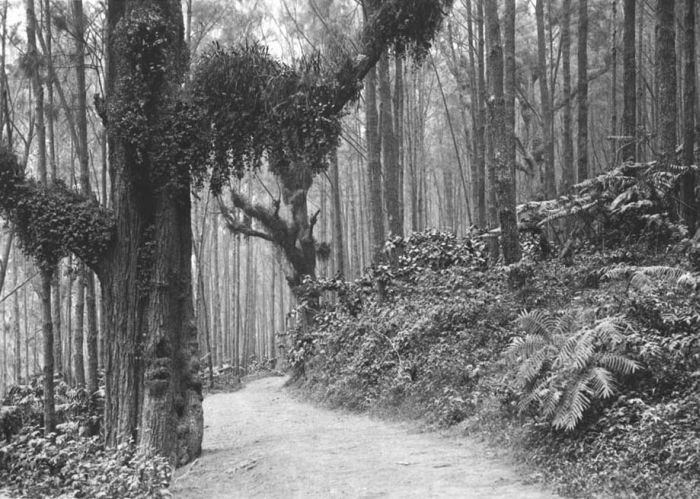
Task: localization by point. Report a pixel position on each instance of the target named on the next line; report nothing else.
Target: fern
(564, 363)
(646, 278)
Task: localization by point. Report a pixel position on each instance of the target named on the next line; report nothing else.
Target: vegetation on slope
(590, 362)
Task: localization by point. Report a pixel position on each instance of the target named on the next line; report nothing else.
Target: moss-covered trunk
(153, 387)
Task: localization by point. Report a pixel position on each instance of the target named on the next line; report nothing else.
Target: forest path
(261, 442)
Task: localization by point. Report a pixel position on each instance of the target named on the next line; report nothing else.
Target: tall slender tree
(688, 198)
(629, 82)
(568, 177)
(550, 190)
(582, 97)
(502, 117)
(666, 79)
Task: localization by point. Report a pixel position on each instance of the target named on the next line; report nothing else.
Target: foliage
(418, 23)
(52, 221)
(166, 134)
(628, 203)
(564, 363)
(36, 466)
(260, 107)
(435, 348)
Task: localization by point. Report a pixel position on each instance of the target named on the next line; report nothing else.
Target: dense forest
(480, 214)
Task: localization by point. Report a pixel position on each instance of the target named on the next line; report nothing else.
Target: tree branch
(238, 227)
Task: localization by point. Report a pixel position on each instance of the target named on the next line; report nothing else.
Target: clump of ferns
(644, 279)
(566, 362)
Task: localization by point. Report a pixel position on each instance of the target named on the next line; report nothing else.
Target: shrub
(36, 466)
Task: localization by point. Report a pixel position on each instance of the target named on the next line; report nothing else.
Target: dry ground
(262, 442)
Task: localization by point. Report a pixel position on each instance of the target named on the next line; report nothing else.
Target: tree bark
(582, 90)
(550, 189)
(46, 272)
(503, 123)
(568, 168)
(666, 79)
(153, 388)
(374, 164)
(688, 199)
(629, 112)
(389, 145)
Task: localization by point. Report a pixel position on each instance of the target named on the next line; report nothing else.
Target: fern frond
(608, 330)
(535, 395)
(602, 382)
(532, 366)
(583, 354)
(536, 322)
(550, 401)
(575, 404)
(525, 346)
(618, 363)
(568, 323)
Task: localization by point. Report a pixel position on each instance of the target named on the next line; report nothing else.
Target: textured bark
(666, 79)
(338, 239)
(374, 164)
(688, 201)
(550, 189)
(582, 96)
(480, 130)
(568, 177)
(629, 83)
(77, 361)
(153, 387)
(46, 272)
(390, 160)
(503, 124)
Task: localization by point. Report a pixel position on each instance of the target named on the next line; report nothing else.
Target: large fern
(646, 278)
(565, 362)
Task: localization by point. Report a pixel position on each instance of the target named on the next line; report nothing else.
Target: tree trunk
(46, 272)
(503, 123)
(153, 390)
(390, 160)
(78, 363)
(568, 177)
(582, 90)
(550, 189)
(666, 78)
(338, 239)
(629, 112)
(688, 200)
(374, 165)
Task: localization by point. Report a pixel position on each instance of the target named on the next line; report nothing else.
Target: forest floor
(263, 442)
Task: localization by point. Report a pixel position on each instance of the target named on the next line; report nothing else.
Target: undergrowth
(73, 462)
(604, 398)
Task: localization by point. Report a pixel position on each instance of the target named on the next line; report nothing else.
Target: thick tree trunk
(666, 79)
(629, 83)
(153, 386)
(583, 90)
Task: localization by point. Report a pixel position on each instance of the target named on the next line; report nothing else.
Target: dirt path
(260, 442)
